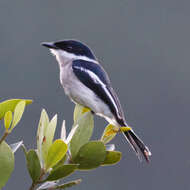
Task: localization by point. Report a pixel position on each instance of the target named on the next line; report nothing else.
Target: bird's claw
(125, 129)
(85, 109)
(115, 130)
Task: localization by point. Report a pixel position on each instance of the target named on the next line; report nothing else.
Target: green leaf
(48, 136)
(56, 152)
(8, 119)
(69, 184)
(48, 185)
(82, 134)
(18, 112)
(112, 157)
(71, 134)
(63, 131)
(43, 123)
(9, 105)
(6, 163)
(110, 147)
(61, 162)
(91, 155)
(33, 165)
(16, 146)
(61, 172)
(78, 112)
(108, 134)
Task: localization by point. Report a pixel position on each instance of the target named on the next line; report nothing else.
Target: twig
(32, 187)
(70, 161)
(4, 136)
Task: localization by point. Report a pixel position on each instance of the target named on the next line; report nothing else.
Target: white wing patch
(97, 80)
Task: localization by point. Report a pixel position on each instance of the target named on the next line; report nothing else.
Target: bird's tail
(137, 145)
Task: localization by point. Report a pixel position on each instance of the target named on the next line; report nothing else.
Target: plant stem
(4, 136)
(32, 187)
(69, 158)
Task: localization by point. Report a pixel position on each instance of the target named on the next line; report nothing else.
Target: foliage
(12, 111)
(6, 163)
(55, 159)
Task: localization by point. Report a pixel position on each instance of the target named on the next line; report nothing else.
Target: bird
(87, 83)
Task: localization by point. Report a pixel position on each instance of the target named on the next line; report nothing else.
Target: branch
(4, 136)
(32, 187)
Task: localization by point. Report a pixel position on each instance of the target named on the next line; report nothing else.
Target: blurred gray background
(144, 46)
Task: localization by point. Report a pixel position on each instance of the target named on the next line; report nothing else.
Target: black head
(71, 46)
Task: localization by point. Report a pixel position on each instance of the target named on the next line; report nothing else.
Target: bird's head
(70, 50)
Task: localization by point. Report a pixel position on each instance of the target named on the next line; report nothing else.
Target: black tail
(137, 144)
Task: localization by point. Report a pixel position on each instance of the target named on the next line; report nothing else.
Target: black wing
(94, 77)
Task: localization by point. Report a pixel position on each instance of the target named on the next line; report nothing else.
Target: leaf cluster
(53, 160)
(11, 111)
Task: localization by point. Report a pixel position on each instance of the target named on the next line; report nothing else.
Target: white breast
(81, 94)
(78, 92)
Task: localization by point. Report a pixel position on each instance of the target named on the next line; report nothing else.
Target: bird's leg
(85, 109)
(92, 112)
(110, 130)
(116, 129)
(124, 129)
(121, 129)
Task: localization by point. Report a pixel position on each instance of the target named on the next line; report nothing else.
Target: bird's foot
(85, 109)
(125, 129)
(113, 130)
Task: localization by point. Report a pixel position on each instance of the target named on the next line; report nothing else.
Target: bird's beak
(49, 45)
